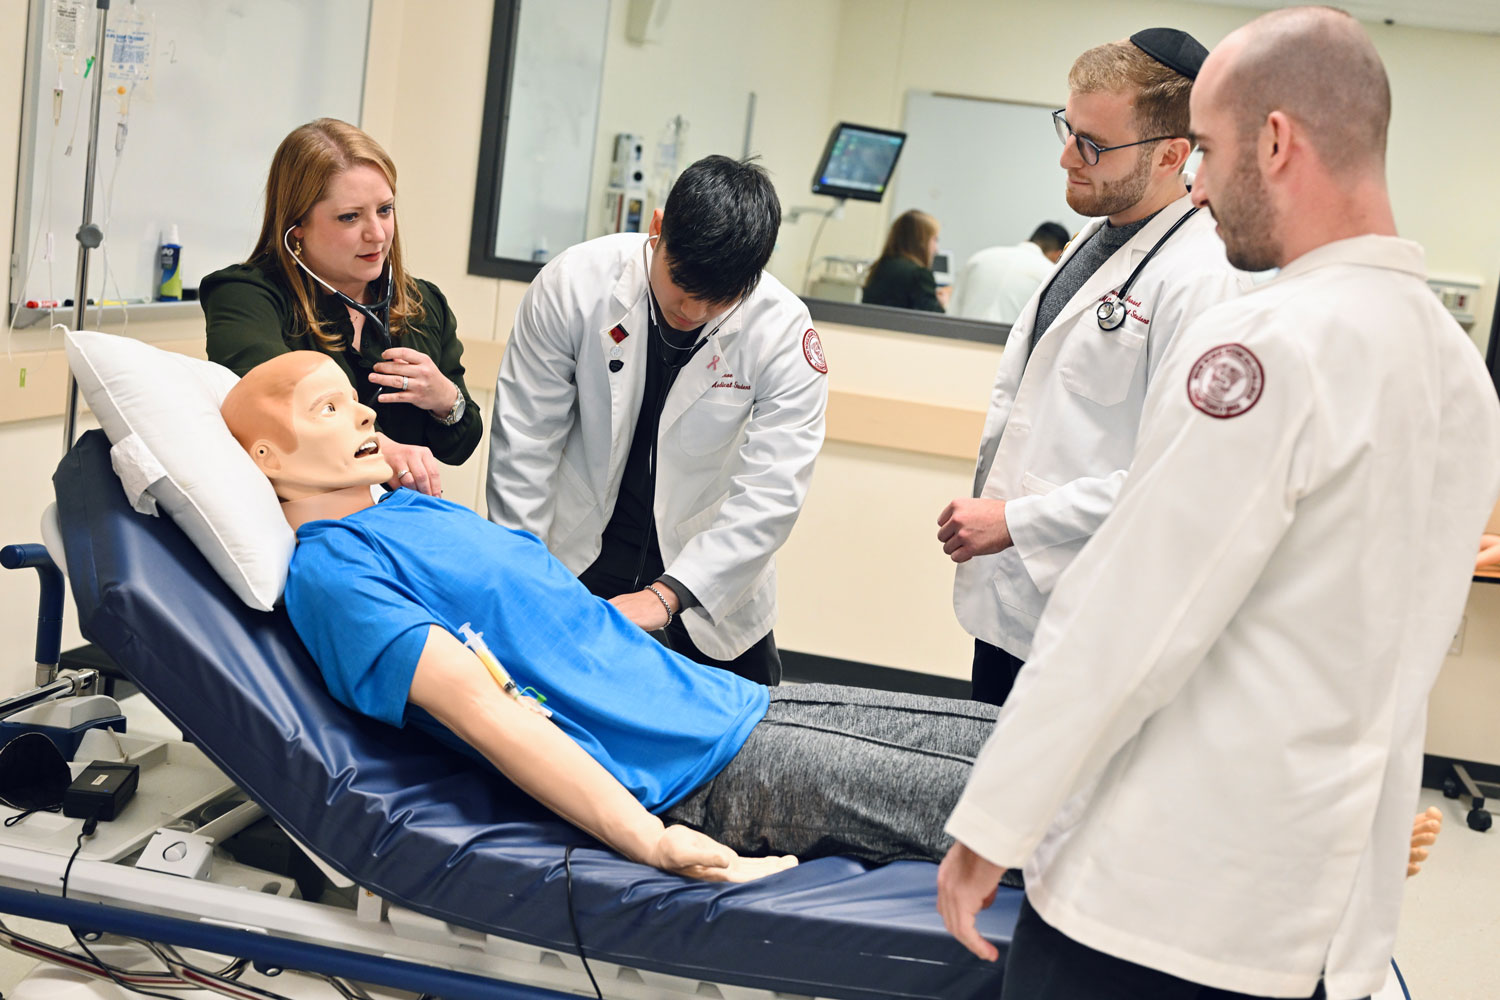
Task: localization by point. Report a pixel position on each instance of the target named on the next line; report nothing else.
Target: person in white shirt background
(996, 283)
(1208, 767)
(1067, 398)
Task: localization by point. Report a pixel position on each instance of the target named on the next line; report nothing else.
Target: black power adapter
(101, 791)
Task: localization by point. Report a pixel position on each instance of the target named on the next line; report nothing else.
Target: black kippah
(1174, 49)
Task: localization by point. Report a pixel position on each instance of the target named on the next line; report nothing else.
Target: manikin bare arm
(543, 761)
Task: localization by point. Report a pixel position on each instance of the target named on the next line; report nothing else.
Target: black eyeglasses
(1088, 149)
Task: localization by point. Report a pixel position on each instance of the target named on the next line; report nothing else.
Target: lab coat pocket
(1014, 588)
(1100, 365)
(1033, 485)
(575, 501)
(708, 427)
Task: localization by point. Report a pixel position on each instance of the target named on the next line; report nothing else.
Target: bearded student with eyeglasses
(1073, 379)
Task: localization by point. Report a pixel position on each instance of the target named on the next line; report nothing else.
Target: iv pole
(89, 234)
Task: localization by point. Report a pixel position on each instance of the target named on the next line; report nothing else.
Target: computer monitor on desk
(942, 267)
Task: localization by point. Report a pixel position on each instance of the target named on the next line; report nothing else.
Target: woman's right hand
(412, 465)
(684, 851)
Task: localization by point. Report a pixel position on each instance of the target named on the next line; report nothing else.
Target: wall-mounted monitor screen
(858, 162)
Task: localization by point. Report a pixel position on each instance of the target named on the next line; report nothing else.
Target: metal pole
(749, 125)
(89, 235)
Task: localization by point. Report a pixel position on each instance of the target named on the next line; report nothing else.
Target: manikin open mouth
(370, 447)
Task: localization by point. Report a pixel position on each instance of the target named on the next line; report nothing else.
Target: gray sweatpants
(843, 770)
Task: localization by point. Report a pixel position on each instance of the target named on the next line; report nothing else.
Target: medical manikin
(672, 763)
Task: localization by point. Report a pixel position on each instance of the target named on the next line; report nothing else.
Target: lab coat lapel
(706, 368)
(1114, 271)
(629, 352)
(1019, 337)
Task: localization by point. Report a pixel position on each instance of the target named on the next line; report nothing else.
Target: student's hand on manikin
(645, 609)
(412, 466)
(973, 526)
(684, 851)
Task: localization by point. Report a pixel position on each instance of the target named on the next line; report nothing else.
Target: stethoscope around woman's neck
(1112, 311)
(376, 313)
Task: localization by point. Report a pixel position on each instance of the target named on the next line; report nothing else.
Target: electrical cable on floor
(573, 919)
(89, 826)
(1400, 979)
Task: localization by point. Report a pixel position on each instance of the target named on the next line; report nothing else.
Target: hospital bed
(438, 876)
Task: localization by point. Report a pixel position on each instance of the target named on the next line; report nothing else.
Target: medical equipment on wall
(625, 198)
(1113, 310)
(857, 162)
(669, 145)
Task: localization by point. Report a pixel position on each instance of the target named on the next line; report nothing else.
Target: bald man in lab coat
(1208, 768)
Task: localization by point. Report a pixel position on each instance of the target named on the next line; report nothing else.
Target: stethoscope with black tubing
(674, 363)
(377, 314)
(1112, 311)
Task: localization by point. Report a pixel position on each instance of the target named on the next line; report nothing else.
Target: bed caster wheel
(1450, 787)
(1480, 819)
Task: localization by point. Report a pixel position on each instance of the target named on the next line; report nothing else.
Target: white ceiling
(1479, 16)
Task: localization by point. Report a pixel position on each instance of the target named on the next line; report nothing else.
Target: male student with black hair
(657, 414)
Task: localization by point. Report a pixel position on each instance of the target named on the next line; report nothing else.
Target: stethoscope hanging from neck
(1112, 311)
(376, 314)
(684, 355)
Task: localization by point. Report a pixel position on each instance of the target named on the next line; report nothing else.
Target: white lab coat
(740, 429)
(1211, 763)
(996, 283)
(1058, 438)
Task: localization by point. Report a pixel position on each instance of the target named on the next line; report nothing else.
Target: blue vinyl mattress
(447, 836)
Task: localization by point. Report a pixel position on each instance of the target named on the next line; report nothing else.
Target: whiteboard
(986, 170)
(228, 79)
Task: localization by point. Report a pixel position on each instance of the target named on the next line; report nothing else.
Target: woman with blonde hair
(902, 277)
(327, 275)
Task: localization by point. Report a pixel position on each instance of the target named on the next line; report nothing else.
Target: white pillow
(160, 411)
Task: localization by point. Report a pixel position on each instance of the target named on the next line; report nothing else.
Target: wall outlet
(1456, 647)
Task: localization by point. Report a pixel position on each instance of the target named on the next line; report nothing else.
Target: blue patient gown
(363, 590)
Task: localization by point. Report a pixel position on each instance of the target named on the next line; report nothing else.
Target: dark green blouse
(905, 284)
(252, 317)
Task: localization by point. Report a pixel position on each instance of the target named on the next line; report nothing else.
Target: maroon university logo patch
(1226, 382)
(812, 349)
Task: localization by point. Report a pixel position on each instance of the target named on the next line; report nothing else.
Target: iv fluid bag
(128, 48)
(66, 22)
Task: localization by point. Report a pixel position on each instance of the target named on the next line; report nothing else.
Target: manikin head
(1291, 114)
(1118, 96)
(300, 421)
